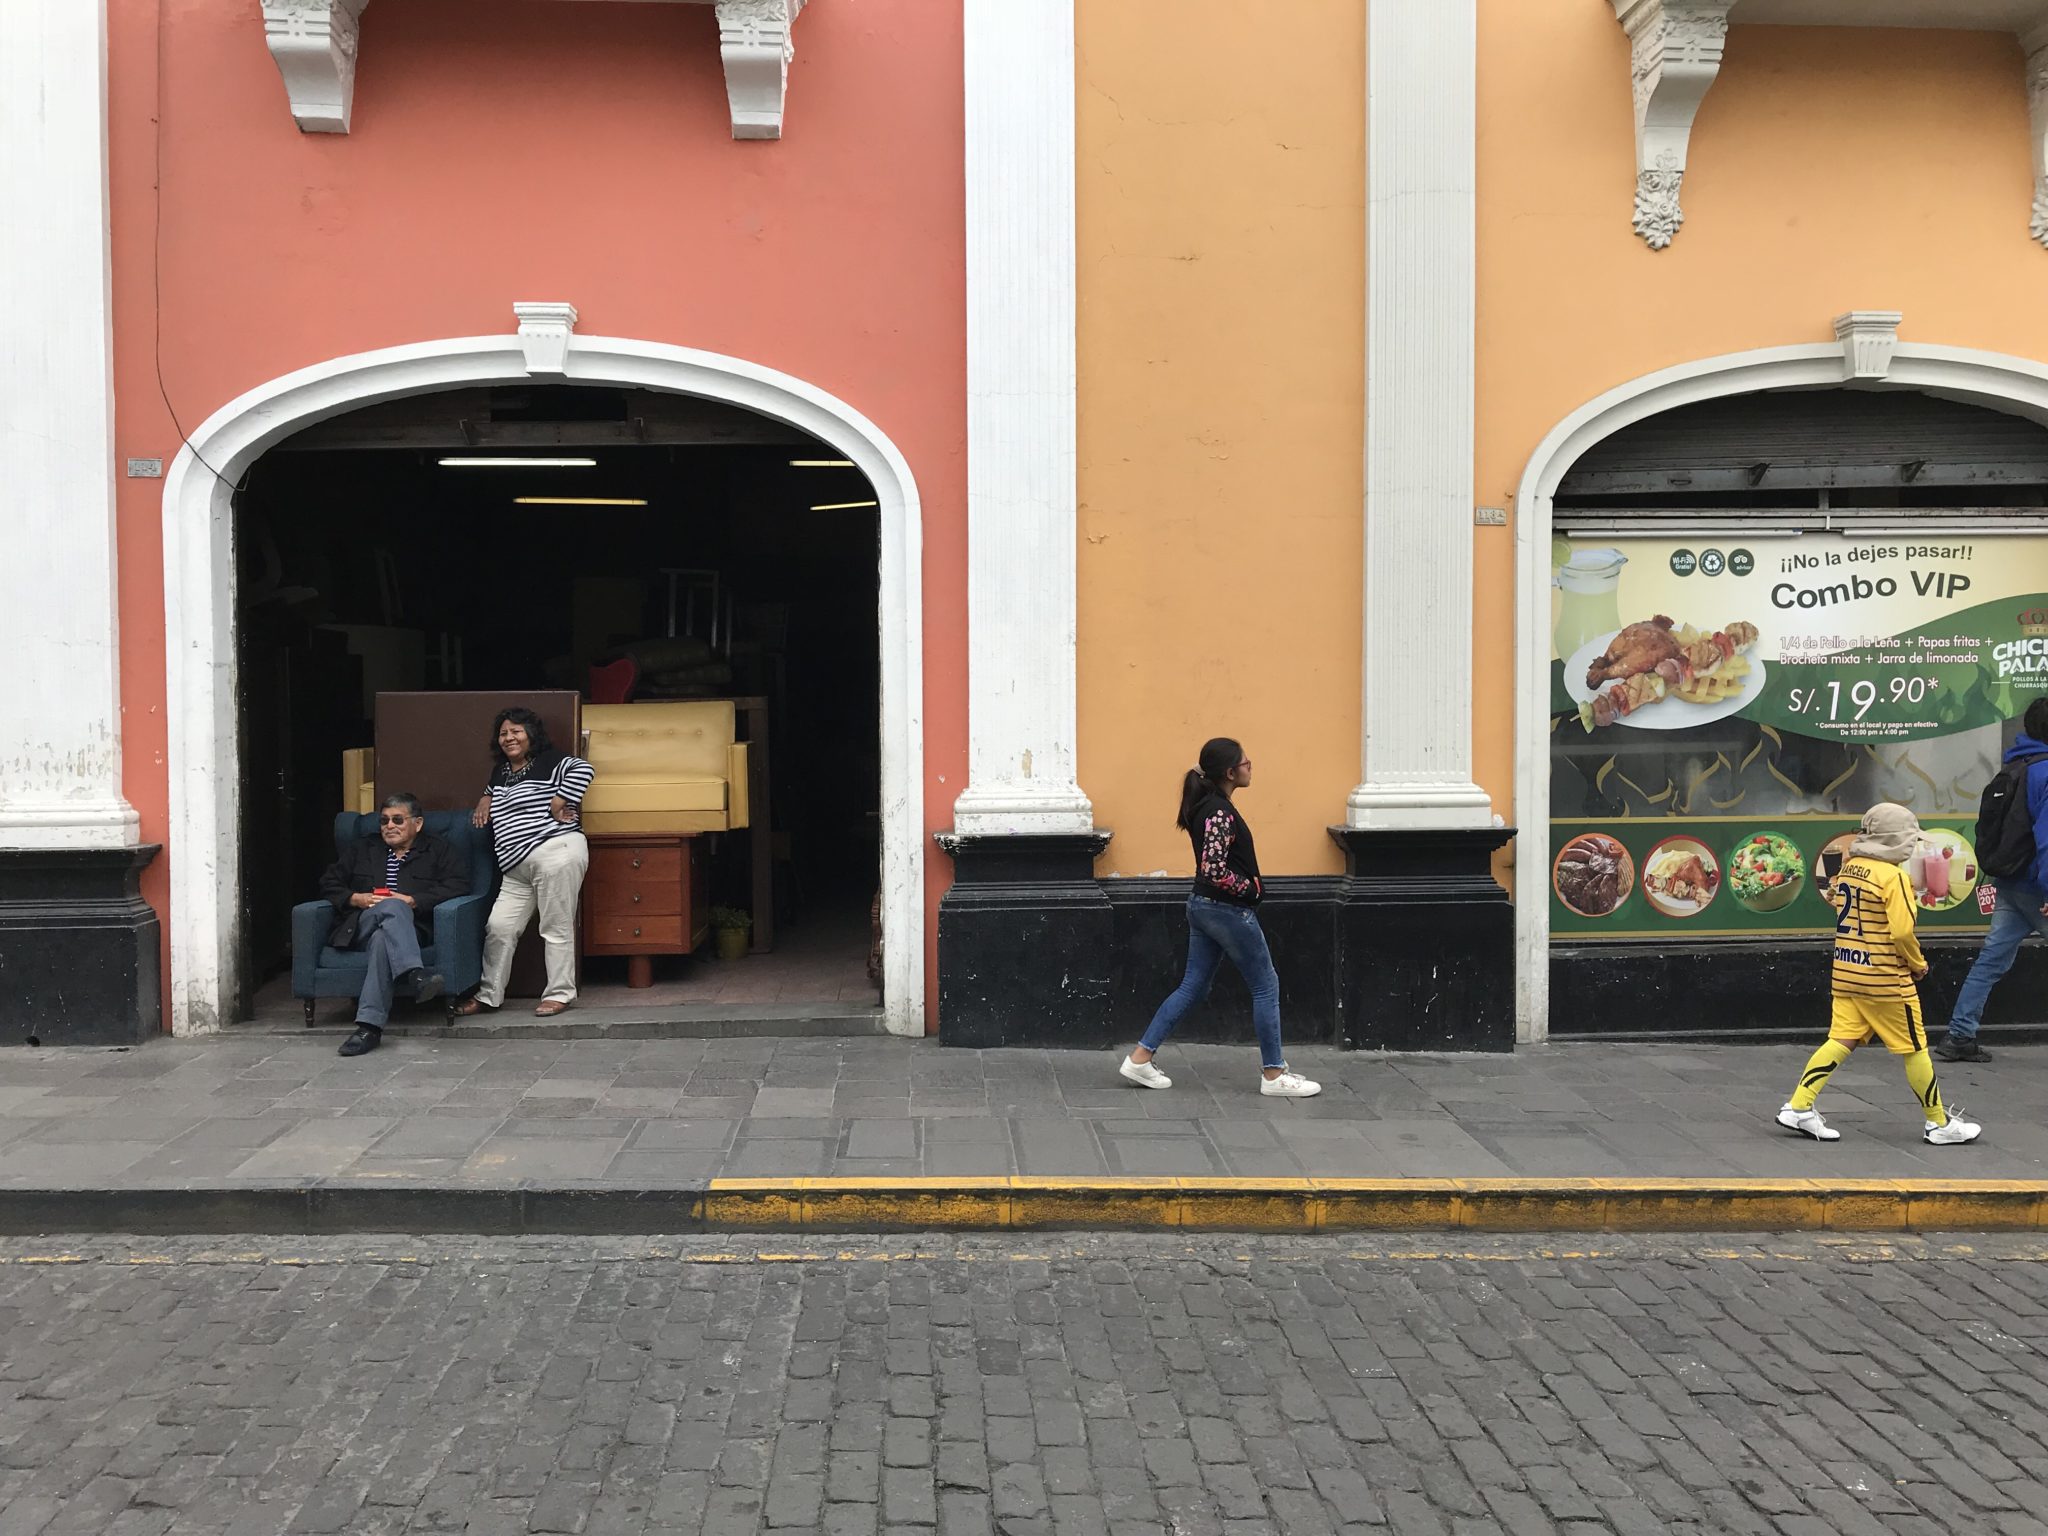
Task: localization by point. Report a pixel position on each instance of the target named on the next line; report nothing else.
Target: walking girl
(1222, 920)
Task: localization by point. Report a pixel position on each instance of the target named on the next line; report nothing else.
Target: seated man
(382, 890)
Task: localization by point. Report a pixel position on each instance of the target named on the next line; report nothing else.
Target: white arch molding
(2017, 386)
(205, 829)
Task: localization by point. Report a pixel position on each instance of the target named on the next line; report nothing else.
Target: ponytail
(1219, 756)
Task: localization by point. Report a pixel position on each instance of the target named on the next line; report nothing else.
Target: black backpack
(2005, 826)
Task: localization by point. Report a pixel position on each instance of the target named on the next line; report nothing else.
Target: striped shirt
(1876, 949)
(520, 818)
(393, 860)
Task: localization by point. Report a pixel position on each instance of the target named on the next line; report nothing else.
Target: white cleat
(1807, 1122)
(1144, 1074)
(1289, 1085)
(1954, 1134)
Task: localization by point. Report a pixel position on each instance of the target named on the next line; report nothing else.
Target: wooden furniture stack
(646, 894)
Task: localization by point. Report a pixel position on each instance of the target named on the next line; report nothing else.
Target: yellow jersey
(1877, 953)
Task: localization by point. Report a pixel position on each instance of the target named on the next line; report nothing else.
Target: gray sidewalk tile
(317, 1149)
(542, 1158)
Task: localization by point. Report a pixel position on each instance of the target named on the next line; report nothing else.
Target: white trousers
(551, 878)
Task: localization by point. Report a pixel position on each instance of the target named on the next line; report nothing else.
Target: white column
(1421, 97)
(1020, 421)
(60, 707)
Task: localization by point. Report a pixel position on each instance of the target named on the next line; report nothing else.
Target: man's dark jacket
(433, 874)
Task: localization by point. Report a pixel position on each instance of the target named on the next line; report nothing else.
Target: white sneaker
(1807, 1122)
(1954, 1134)
(1289, 1085)
(1144, 1074)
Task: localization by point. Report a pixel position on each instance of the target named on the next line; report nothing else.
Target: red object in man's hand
(382, 890)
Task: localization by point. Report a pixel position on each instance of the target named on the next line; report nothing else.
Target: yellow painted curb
(1023, 1203)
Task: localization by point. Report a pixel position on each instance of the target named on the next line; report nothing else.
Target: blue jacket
(2037, 804)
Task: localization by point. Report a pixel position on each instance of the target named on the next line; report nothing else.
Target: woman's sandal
(470, 1006)
(550, 1008)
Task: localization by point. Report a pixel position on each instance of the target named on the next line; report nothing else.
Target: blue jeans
(2018, 914)
(1216, 929)
(386, 931)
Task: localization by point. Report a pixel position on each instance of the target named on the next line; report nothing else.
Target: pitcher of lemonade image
(1589, 602)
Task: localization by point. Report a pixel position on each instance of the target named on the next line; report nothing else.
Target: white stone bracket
(2036, 45)
(754, 44)
(1675, 53)
(1869, 337)
(544, 332)
(314, 45)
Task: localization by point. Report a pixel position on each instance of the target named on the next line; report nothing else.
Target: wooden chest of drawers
(645, 896)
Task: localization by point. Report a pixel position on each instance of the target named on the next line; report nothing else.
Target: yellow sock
(1920, 1073)
(1819, 1066)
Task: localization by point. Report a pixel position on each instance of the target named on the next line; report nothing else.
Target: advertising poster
(1723, 711)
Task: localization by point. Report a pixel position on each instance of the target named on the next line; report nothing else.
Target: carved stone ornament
(1675, 51)
(2036, 45)
(1869, 337)
(755, 45)
(544, 332)
(314, 45)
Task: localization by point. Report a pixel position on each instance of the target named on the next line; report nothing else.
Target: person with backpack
(1222, 920)
(2012, 852)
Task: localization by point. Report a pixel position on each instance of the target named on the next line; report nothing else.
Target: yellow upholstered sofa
(664, 767)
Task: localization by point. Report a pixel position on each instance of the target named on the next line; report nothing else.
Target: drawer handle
(636, 863)
(636, 933)
(636, 896)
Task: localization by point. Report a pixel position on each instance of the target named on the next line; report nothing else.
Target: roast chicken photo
(1648, 661)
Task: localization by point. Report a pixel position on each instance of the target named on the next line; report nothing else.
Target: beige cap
(1889, 832)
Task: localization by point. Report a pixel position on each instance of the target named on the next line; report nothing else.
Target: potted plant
(733, 926)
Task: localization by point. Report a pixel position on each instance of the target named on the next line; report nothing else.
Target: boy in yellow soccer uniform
(1877, 962)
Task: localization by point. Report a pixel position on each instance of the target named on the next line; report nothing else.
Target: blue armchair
(457, 946)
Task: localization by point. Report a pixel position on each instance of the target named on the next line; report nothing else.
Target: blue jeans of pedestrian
(386, 931)
(2018, 914)
(1216, 929)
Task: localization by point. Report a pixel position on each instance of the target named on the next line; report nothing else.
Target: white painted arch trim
(2015, 385)
(199, 623)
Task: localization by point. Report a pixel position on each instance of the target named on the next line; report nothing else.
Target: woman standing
(1222, 920)
(533, 807)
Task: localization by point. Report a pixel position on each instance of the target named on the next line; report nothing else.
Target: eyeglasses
(1246, 763)
(394, 821)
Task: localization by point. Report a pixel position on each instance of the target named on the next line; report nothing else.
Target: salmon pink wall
(528, 149)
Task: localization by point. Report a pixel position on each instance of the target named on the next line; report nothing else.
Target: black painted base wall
(79, 948)
(1776, 989)
(1411, 949)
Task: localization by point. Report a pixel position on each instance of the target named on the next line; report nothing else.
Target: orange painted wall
(521, 149)
(1830, 169)
(1221, 176)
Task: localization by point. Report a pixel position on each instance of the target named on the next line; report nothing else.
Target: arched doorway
(199, 614)
(2012, 386)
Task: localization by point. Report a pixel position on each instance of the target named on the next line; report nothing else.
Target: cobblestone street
(1073, 1385)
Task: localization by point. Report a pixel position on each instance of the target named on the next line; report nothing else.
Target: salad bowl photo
(1766, 871)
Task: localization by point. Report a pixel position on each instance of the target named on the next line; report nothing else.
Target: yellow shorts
(1895, 1021)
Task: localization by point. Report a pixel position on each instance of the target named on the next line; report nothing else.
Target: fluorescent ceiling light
(821, 463)
(844, 506)
(580, 501)
(490, 463)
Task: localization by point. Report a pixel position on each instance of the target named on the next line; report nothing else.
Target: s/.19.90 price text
(1852, 701)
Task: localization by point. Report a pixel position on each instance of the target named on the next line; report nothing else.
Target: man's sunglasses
(393, 821)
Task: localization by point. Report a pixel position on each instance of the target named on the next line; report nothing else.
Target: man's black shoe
(426, 985)
(366, 1039)
(1961, 1050)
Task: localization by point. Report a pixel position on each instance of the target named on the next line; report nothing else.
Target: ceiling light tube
(579, 501)
(821, 463)
(844, 506)
(475, 462)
